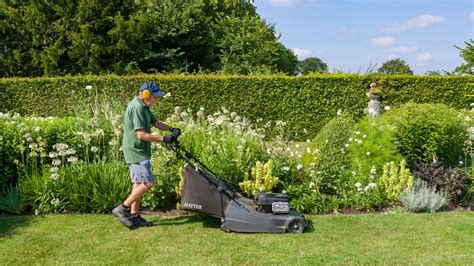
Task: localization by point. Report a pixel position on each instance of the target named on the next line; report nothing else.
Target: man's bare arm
(162, 126)
(143, 135)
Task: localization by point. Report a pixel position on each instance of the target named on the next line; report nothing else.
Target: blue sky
(352, 35)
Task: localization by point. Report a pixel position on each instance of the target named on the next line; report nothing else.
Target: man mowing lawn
(136, 145)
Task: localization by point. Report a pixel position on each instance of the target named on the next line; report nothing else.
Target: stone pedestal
(374, 109)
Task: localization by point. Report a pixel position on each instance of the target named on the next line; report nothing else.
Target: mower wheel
(295, 226)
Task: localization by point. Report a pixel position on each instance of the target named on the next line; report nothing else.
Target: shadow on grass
(8, 223)
(207, 221)
(309, 226)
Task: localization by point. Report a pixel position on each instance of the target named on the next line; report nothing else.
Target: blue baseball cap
(153, 88)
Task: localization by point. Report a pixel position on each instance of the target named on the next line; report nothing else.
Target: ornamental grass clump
(11, 200)
(423, 198)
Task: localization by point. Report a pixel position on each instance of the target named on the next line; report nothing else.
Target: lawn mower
(204, 192)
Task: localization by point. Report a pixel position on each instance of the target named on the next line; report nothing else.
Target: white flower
(37, 128)
(113, 142)
(308, 140)
(368, 153)
(88, 87)
(168, 94)
(372, 184)
(311, 184)
(359, 141)
(308, 150)
(286, 168)
(56, 162)
(52, 155)
(339, 112)
(373, 170)
(386, 108)
(299, 167)
(461, 162)
(94, 149)
(297, 146)
(347, 145)
(55, 201)
(315, 151)
(357, 132)
(70, 151)
(54, 176)
(72, 159)
(54, 169)
(358, 185)
(2, 115)
(365, 136)
(351, 139)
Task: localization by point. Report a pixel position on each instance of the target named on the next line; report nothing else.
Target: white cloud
(383, 41)
(471, 16)
(302, 53)
(402, 50)
(283, 3)
(422, 21)
(424, 57)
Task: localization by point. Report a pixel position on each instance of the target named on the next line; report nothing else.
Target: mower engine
(272, 203)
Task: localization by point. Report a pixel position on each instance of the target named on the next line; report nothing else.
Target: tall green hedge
(305, 103)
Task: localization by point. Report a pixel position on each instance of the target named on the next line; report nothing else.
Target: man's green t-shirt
(137, 116)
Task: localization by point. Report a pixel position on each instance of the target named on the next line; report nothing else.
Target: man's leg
(133, 201)
(143, 180)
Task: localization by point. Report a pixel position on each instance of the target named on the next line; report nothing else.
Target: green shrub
(327, 154)
(451, 181)
(94, 187)
(306, 198)
(422, 198)
(279, 98)
(423, 132)
(370, 148)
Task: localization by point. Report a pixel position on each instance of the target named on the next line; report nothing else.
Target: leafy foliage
(312, 65)
(94, 187)
(261, 179)
(125, 37)
(426, 131)
(422, 198)
(327, 154)
(451, 181)
(395, 67)
(467, 54)
(11, 200)
(396, 181)
(279, 98)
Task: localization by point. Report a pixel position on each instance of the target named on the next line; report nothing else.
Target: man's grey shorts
(141, 172)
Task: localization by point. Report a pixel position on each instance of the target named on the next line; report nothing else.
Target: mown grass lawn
(395, 238)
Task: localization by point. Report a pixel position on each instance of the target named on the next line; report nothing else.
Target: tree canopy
(312, 64)
(394, 67)
(467, 54)
(49, 38)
